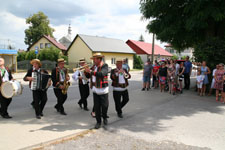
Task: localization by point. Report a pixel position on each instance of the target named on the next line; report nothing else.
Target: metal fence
(46, 64)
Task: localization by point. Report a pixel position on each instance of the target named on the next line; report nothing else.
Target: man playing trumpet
(120, 78)
(82, 76)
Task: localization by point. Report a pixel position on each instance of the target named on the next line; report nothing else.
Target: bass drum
(11, 88)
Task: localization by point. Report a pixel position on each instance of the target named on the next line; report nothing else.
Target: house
(10, 57)
(66, 40)
(144, 50)
(84, 46)
(46, 42)
(185, 52)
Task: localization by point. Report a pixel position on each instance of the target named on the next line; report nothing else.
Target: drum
(11, 88)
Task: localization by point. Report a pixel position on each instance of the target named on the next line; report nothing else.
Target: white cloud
(116, 19)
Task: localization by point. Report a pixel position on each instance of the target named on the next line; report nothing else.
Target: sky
(120, 19)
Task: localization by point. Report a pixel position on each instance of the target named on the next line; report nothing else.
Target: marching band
(40, 81)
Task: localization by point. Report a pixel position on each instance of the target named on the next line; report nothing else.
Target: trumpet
(126, 76)
(82, 68)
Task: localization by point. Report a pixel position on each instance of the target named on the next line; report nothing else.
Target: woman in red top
(219, 81)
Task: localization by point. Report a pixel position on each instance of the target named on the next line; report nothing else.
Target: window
(36, 48)
(41, 45)
(47, 45)
(113, 60)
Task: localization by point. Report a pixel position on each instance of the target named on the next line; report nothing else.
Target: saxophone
(66, 84)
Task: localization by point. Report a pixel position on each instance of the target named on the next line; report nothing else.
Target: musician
(120, 78)
(82, 76)
(39, 96)
(5, 75)
(99, 86)
(59, 76)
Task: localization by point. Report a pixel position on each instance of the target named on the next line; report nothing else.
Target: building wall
(117, 56)
(42, 40)
(77, 51)
(80, 50)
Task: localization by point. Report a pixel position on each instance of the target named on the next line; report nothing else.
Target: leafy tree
(184, 23)
(21, 56)
(212, 51)
(51, 54)
(38, 26)
(141, 38)
(137, 62)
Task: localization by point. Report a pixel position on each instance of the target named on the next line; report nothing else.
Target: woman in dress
(205, 71)
(181, 76)
(171, 76)
(162, 73)
(219, 81)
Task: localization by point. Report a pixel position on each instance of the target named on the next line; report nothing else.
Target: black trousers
(4, 105)
(84, 93)
(120, 103)
(61, 98)
(186, 80)
(40, 99)
(101, 104)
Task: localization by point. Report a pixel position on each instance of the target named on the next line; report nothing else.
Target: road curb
(61, 140)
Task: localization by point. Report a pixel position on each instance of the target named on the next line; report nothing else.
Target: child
(199, 79)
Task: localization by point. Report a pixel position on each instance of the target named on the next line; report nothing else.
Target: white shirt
(62, 75)
(214, 71)
(177, 69)
(121, 81)
(99, 91)
(75, 77)
(200, 78)
(6, 76)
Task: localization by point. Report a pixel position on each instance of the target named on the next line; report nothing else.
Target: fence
(46, 64)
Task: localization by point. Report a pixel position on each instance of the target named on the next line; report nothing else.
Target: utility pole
(153, 47)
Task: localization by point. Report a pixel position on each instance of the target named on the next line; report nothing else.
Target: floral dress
(219, 80)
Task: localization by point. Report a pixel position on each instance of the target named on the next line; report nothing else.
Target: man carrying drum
(39, 96)
(5, 76)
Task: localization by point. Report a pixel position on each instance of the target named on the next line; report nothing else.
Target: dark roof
(103, 44)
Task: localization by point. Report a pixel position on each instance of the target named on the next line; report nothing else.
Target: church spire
(69, 35)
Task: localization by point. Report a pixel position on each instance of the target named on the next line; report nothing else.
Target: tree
(141, 38)
(137, 62)
(184, 23)
(174, 57)
(39, 26)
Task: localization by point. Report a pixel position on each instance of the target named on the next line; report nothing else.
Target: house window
(41, 45)
(47, 45)
(113, 60)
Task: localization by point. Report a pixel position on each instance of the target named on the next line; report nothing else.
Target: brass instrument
(81, 70)
(66, 84)
(126, 76)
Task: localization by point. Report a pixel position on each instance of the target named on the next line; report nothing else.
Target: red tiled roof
(57, 44)
(146, 48)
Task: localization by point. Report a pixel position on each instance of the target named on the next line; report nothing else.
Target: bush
(137, 62)
(30, 55)
(21, 56)
(174, 57)
(51, 54)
